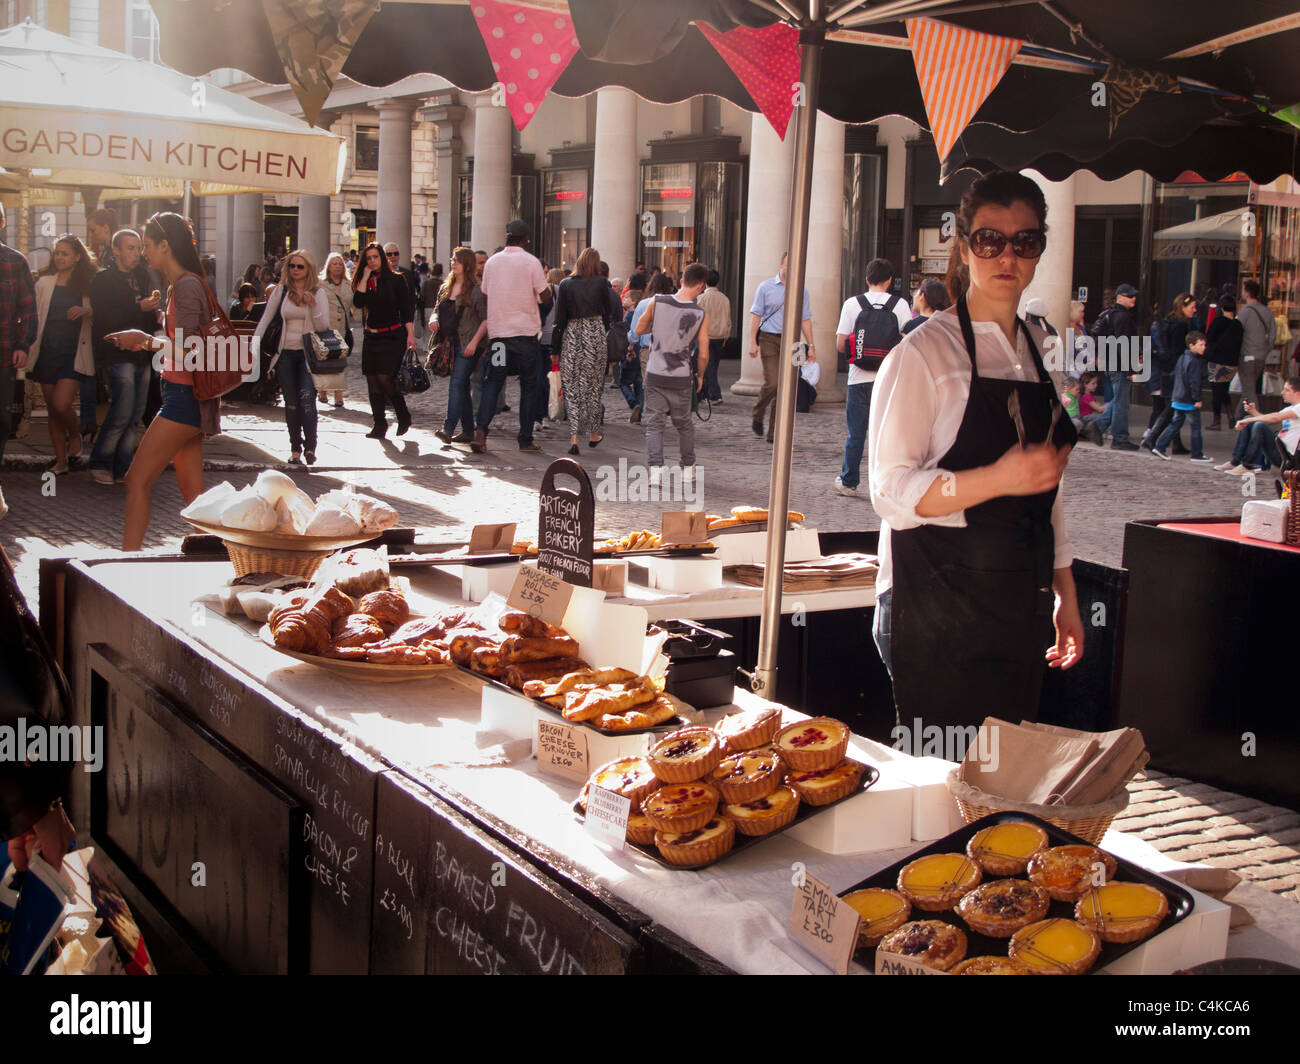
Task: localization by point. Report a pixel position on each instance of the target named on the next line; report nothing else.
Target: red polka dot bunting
(529, 49)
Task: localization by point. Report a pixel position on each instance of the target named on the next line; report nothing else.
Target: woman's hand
(77, 313)
(151, 304)
(1030, 470)
(131, 339)
(1068, 650)
(50, 836)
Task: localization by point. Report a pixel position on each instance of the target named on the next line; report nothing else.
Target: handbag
(325, 351)
(274, 325)
(439, 357)
(412, 378)
(212, 382)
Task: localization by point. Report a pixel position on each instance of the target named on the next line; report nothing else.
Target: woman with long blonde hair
(299, 302)
(338, 294)
(461, 320)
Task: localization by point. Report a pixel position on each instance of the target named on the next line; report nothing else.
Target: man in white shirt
(857, 403)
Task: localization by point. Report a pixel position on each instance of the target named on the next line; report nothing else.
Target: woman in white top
(974, 555)
(300, 303)
(338, 294)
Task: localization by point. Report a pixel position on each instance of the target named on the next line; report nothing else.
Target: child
(1090, 407)
(672, 323)
(1070, 397)
(1189, 382)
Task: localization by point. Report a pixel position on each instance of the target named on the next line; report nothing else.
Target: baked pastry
(304, 631)
(520, 673)
(1122, 912)
(686, 754)
(881, 910)
(762, 816)
(387, 607)
(573, 676)
(486, 660)
(681, 807)
(819, 742)
(699, 846)
(388, 653)
(329, 520)
(991, 966)
(757, 513)
(463, 641)
(749, 774)
(938, 881)
(1004, 849)
(1002, 907)
(640, 830)
(822, 786)
(1055, 947)
(714, 523)
(537, 648)
(360, 571)
(419, 629)
(356, 630)
(931, 942)
(645, 715)
(587, 701)
(516, 622)
(332, 603)
(1068, 872)
(629, 776)
(745, 731)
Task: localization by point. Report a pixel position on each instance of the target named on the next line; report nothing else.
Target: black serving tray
(1180, 901)
(744, 842)
(690, 639)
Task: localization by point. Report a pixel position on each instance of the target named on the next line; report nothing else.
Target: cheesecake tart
(1069, 872)
(882, 911)
(690, 849)
(1055, 947)
(686, 754)
(681, 807)
(750, 774)
(821, 786)
(1005, 849)
(764, 815)
(1122, 912)
(991, 966)
(818, 742)
(631, 777)
(640, 830)
(938, 881)
(749, 729)
(1003, 906)
(932, 942)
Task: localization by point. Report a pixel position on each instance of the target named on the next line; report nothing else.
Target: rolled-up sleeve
(1061, 535)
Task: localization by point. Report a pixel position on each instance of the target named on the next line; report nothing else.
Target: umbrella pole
(811, 41)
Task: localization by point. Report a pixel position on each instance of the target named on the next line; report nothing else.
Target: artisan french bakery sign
(566, 525)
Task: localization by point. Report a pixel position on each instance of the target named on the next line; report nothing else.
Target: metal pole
(187, 207)
(811, 41)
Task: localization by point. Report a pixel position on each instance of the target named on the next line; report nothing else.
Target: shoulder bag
(211, 381)
(412, 378)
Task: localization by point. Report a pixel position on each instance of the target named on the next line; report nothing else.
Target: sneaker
(688, 475)
(1226, 467)
(1236, 470)
(102, 476)
(843, 488)
(1125, 445)
(1160, 454)
(1201, 459)
(443, 435)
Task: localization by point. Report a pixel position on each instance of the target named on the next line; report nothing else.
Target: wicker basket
(267, 560)
(1292, 480)
(1089, 822)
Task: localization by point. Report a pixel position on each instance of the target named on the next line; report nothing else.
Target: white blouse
(917, 406)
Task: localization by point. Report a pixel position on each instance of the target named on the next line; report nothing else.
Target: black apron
(972, 607)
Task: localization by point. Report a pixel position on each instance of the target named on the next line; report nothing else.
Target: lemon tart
(681, 807)
(818, 742)
(686, 754)
(992, 966)
(750, 774)
(690, 849)
(631, 777)
(1055, 947)
(1002, 907)
(932, 942)
(821, 786)
(1122, 912)
(640, 830)
(938, 881)
(1068, 872)
(747, 730)
(881, 910)
(1005, 849)
(762, 816)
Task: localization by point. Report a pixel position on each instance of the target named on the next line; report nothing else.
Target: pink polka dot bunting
(767, 63)
(529, 50)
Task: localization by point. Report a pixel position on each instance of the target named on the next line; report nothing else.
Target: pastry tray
(684, 550)
(371, 671)
(977, 945)
(416, 558)
(744, 842)
(749, 526)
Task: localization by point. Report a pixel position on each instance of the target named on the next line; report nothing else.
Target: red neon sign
(575, 195)
(676, 193)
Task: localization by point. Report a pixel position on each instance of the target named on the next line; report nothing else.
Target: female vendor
(968, 443)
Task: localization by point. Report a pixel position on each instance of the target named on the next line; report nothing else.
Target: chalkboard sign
(566, 525)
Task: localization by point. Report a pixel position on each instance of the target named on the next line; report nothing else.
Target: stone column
(1053, 281)
(446, 113)
(825, 244)
(248, 232)
(616, 182)
(393, 209)
(491, 208)
(314, 233)
(767, 230)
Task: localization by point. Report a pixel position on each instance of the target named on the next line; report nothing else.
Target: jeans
(460, 406)
(128, 389)
(299, 393)
(882, 629)
(1248, 372)
(662, 405)
(1115, 416)
(522, 354)
(88, 396)
(1255, 446)
(1176, 423)
(629, 381)
(712, 390)
(857, 411)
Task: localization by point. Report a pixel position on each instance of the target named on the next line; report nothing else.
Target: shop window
(566, 208)
(142, 35)
(366, 149)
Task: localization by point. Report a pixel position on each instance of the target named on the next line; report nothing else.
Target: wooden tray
(281, 541)
(370, 671)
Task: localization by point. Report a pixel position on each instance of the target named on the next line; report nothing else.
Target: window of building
(566, 209)
(366, 149)
(142, 35)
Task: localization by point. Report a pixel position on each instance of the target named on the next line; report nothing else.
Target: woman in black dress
(385, 299)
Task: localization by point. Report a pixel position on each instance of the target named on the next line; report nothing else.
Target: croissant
(306, 631)
(334, 604)
(418, 630)
(290, 603)
(356, 630)
(387, 607)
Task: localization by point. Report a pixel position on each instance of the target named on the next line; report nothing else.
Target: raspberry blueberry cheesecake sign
(607, 815)
(824, 924)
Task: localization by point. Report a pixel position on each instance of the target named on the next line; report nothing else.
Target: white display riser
(750, 548)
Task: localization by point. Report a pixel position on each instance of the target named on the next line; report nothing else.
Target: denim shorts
(179, 404)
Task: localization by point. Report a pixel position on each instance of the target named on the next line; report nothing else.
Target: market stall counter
(267, 815)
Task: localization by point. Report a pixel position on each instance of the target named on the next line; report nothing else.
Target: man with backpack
(870, 326)
(1117, 322)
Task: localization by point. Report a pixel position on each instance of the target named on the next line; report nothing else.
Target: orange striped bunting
(957, 69)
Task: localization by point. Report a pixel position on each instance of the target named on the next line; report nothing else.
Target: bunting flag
(313, 39)
(957, 69)
(1125, 87)
(767, 63)
(529, 49)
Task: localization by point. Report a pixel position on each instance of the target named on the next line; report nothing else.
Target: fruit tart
(932, 942)
(690, 849)
(762, 816)
(938, 881)
(686, 754)
(1004, 849)
(882, 911)
(1055, 947)
(822, 786)
(681, 807)
(818, 742)
(1122, 912)
(629, 776)
(992, 966)
(1069, 872)
(640, 830)
(750, 729)
(1002, 907)
(749, 774)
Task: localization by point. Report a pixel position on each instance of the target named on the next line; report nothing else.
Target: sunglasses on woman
(297, 265)
(990, 243)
